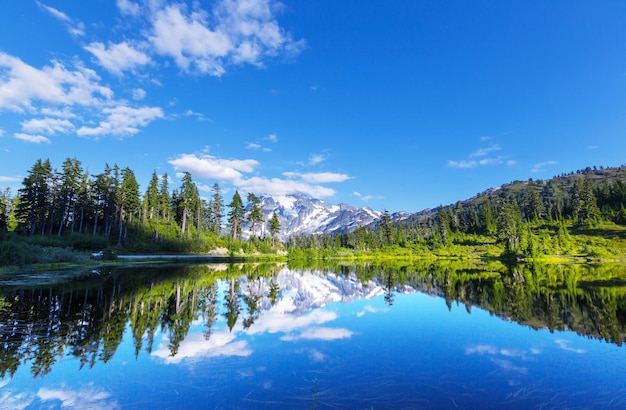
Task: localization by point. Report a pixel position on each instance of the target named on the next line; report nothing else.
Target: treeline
(72, 203)
(531, 218)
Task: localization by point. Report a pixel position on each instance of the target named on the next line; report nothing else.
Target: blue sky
(398, 105)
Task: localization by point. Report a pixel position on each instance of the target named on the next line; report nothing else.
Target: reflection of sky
(416, 353)
(88, 397)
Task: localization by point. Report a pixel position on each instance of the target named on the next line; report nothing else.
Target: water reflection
(87, 320)
(154, 309)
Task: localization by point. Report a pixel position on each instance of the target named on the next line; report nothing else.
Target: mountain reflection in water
(182, 313)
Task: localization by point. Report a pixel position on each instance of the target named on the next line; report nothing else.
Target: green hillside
(579, 215)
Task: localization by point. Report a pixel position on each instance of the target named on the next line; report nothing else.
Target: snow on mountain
(300, 214)
(300, 292)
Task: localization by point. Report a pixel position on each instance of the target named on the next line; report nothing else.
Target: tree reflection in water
(87, 320)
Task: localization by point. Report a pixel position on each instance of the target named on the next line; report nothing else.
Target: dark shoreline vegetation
(61, 218)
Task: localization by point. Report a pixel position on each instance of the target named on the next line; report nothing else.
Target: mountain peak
(301, 214)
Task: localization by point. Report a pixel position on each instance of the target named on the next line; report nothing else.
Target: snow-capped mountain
(300, 214)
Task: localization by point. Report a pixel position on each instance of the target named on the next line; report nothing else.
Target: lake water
(335, 337)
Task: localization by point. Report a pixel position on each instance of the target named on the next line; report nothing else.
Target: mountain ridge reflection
(87, 320)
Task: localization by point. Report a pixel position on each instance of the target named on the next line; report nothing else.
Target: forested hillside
(57, 213)
(581, 213)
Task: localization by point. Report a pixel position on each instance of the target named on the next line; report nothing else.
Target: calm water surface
(268, 336)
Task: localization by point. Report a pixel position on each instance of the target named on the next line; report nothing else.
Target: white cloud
(75, 28)
(117, 58)
(485, 151)
(235, 32)
(17, 401)
(210, 167)
(221, 343)
(592, 147)
(481, 157)
(315, 159)
(9, 179)
(52, 112)
(540, 166)
(565, 345)
(1, 132)
(35, 139)
(281, 322)
(21, 85)
(128, 8)
(89, 397)
(232, 171)
(185, 38)
(253, 146)
(276, 186)
(139, 94)
(47, 125)
(366, 198)
(462, 164)
(122, 121)
(272, 138)
(319, 177)
(320, 333)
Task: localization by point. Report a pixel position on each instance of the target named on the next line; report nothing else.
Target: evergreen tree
(274, 227)
(584, 204)
(5, 208)
(386, 226)
(71, 179)
(128, 201)
(509, 225)
(33, 207)
(151, 204)
(164, 198)
(443, 225)
(236, 215)
(216, 207)
(189, 199)
(255, 212)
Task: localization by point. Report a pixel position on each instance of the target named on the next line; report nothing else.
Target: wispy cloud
(197, 40)
(221, 344)
(128, 8)
(139, 94)
(35, 139)
(23, 87)
(234, 171)
(366, 198)
(9, 179)
(74, 27)
(315, 159)
(88, 397)
(482, 157)
(318, 177)
(117, 58)
(272, 138)
(320, 333)
(481, 152)
(122, 121)
(47, 125)
(540, 166)
(257, 147)
(565, 345)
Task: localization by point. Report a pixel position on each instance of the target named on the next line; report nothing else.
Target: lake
(339, 336)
